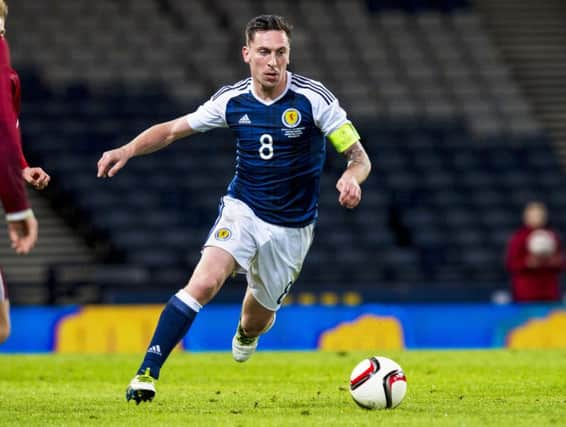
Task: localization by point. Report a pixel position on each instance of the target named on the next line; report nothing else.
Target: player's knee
(204, 287)
(211, 282)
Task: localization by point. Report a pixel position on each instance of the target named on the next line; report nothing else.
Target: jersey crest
(291, 118)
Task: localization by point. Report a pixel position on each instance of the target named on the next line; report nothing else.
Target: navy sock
(176, 319)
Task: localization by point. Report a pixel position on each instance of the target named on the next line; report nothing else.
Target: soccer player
(22, 225)
(265, 225)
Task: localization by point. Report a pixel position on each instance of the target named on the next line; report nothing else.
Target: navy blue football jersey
(280, 145)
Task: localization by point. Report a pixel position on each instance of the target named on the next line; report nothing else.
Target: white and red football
(378, 383)
(541, 242)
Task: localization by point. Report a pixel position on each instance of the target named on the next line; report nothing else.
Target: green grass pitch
(445, 388)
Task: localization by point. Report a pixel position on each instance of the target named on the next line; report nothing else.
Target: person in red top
(22, 225)
(535, 258)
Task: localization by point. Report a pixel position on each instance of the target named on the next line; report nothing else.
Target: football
(541, 242)
(378, 383)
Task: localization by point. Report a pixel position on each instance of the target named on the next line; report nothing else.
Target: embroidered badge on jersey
(223, 234)
(291, 117)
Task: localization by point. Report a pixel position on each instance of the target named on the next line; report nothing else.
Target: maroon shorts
(3, 287)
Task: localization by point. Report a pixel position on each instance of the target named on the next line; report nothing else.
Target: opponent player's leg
(255, 320)
(4, 310)
(214, 267)
(4, 320)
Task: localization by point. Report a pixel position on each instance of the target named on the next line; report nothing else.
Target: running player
(265, 226)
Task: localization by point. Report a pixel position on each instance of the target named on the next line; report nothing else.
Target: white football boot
(141, 388)
(242, 346)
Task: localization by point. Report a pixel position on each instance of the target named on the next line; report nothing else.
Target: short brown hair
(267, 23)
(3, 9)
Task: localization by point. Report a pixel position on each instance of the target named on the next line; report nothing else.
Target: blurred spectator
(535, 258)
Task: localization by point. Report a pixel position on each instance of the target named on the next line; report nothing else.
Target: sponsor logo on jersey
(244, 120)
(223, 234)
(291, 117)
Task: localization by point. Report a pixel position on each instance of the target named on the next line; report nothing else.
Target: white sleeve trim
(328, 116)
(338, 124)
(210, 115)
(18, 216)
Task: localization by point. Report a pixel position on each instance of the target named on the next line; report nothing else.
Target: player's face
(268, 57)
(535, 216)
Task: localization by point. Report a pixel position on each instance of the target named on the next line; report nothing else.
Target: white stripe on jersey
(236, 86)
(306, 83)
(327, 113)
(212, 114)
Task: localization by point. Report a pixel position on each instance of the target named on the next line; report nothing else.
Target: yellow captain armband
(344, 137)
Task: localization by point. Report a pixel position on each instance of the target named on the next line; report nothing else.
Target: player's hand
(36, 177)
(350, 191)
(23, 234)
(111, 162)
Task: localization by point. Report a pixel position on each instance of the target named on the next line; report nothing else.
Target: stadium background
(459, 103)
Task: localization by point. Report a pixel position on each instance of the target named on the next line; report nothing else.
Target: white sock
(184, 296)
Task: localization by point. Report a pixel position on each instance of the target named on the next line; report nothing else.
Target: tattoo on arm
(358, 161)
(356, 155)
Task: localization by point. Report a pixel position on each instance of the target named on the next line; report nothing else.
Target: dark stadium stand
(455, 148)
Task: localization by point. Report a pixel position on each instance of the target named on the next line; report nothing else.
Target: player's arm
(22, 225)
(517, 259)
(23, 234)
(359, 164)
(346, 140)
(152, 139)
(556, 262)
(36, 177)
(358, 169)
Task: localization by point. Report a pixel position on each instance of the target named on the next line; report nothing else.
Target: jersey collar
(272, 101)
